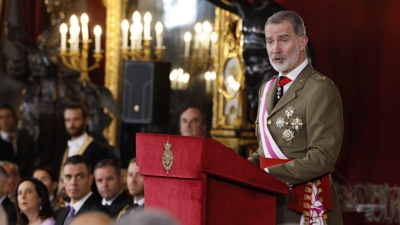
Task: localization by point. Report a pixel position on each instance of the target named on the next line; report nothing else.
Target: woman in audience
(49, 180)
(33, 203)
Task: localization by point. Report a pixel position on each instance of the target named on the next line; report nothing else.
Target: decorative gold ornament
(168, 157)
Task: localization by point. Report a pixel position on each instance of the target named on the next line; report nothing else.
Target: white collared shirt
(293, 74)
(109, 202)
(140, 202)
(78, 205)
(75, 145)
(4, 136)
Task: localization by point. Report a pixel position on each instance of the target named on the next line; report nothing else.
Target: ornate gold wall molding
(113, 63)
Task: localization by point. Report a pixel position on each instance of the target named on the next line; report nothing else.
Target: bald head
(192, 123)
(92, 218)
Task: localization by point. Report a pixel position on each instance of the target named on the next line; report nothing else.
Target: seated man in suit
(5, 202)
(109, 182)
(193, 123)
(135, 185)
(16, 144)
(76, 120)
(78, 179)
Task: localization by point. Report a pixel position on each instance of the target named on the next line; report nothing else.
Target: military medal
(280, 122)
(288, 135)
(278, 93)
(297, 123)
(291, 125)
(290, 111)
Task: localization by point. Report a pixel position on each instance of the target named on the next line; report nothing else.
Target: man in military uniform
(135, 183)
(300, 124)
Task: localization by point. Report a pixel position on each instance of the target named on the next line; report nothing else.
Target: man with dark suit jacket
(135, 183)
(77, 178)
(299, 124)
(76, 120)
(17, 142)
(8, 206)
(109, 182)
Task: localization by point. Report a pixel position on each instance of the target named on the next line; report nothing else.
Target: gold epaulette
(122, 212)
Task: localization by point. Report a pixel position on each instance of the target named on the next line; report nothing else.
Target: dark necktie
(71, 215)
(135, 206)
(283, 80)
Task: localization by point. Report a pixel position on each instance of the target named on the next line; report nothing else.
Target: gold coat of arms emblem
(168, 157)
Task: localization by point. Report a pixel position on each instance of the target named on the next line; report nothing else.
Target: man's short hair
(77, 159)
(78, 105)
(52, 175)
(3, 174)
(203, 115)
(292, 17)
(14, 167)
(9, 107)
(133, 160)
(109, 162)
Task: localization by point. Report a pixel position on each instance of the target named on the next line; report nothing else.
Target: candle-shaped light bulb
(73, 19)
(139, 30)
(84, 22)
(97, 34)
(63, 31)
(136, 17)
(147, 19)
(214, 38)
(202, 36)
(207, 27)
(187, 37)
(159, 30)
(133, 36)
(74, 31)
(197, 28)
(125, 27)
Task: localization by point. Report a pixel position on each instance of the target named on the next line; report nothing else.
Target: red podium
(207, 184)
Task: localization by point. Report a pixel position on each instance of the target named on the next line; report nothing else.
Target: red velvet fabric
(208, 183)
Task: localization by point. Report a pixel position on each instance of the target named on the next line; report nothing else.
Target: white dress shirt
(292, 75)
(75, 145)
(109, 202)
(78, 205)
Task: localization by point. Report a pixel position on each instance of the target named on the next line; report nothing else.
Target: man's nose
(276, 48)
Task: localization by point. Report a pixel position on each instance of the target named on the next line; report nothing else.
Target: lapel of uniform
(271, 96)
(291, 93)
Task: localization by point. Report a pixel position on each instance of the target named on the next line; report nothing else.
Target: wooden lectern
(207, 184)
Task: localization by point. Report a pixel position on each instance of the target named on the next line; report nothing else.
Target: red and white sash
(271, 149)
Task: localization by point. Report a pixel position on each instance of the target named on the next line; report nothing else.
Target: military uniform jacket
(316, 145)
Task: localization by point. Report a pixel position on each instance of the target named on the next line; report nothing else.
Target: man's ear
(303, 42)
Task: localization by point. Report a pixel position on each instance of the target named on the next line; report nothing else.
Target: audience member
(78, 178)
(149, 217)
(12, 180)
(109, 182)
(193, 123)
(33, 203)
(5, 202)
(76, 121)
(92, 218)
(135, 185)
(48, 178)
(16, 141)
